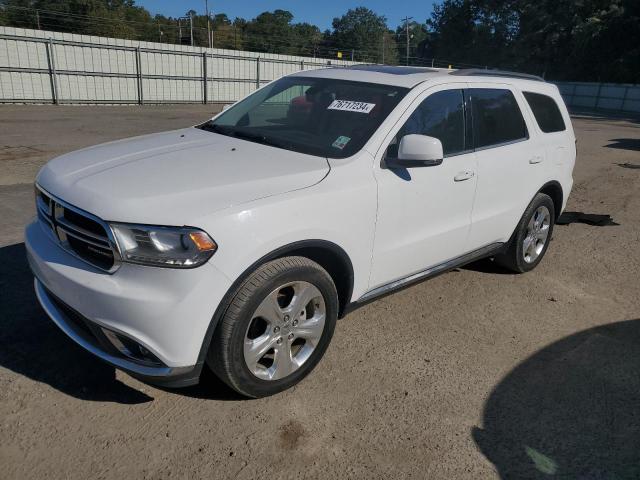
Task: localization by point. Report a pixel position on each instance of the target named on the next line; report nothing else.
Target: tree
(589, 40)
(270, 32)
(360, 31)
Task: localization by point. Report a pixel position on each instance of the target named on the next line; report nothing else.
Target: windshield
(316, 116)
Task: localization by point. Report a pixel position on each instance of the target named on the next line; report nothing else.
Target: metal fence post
(204, 77)
(257, 72)
(624, 98)
(139, 76)
(598, 95)
(52, 71)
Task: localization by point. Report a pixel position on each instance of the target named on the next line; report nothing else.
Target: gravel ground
(475, 374)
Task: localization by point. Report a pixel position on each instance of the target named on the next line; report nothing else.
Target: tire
(291, 300)
(532, 236)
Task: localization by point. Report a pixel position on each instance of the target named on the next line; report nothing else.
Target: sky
(316, 13)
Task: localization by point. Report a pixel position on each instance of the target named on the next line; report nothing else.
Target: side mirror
(417, 151)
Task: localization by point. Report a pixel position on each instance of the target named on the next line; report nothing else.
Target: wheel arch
(330, 256)
(551, 188)
(554, 190)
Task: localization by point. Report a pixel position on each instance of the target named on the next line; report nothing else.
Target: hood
(174, 178)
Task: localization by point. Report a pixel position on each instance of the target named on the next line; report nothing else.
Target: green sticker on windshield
(341, 142)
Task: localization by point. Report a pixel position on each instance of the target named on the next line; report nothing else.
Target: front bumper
(166, 311)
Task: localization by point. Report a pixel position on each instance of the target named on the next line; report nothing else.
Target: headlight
(176, 247)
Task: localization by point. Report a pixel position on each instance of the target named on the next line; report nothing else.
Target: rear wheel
(276, 328)
(532, 236)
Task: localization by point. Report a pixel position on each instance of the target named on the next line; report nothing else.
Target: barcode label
(351, 106)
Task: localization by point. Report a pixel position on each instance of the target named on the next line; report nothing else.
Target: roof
(384, 74)
(407, 77)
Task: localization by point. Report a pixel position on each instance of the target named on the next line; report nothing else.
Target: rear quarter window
(497, 118)
(546, 111)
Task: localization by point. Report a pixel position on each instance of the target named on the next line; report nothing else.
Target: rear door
(509, 162)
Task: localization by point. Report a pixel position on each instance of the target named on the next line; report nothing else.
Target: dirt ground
(475, 374)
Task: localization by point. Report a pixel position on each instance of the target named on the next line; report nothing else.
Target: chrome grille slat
(73, 234)
(44, 218)
(60, 217)
(75, 230)
(40, 204)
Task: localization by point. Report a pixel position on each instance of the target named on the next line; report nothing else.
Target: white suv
(239, 242)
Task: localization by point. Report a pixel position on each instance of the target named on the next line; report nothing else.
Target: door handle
(536, 159)
(462, 176)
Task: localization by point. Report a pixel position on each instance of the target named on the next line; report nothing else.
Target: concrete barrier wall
(622, 98)
(42, 67)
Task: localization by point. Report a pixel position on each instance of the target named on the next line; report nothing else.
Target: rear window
(497, 118)
(546, 111)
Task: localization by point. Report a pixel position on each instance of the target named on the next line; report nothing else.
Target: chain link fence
(53, 67)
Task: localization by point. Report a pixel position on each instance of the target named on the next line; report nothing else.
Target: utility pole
(191, 27)
(206, 8)
(180, 31)
(38, 19)
(406, 23)
(383, 48)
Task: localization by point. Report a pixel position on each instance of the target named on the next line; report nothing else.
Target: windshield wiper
(212, 127)
(243, 134)
(260, 138)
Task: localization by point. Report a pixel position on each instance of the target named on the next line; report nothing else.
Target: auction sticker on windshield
(341, 142)
(351, 106)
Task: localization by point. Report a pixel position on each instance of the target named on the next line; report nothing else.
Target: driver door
(424, 214)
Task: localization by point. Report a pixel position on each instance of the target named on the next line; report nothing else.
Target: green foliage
(590, 40)
(362, 30)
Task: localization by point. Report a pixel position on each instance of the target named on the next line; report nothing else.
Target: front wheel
(532, 236)
(276, 328)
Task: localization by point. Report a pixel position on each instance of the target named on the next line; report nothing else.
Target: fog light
(131, 349)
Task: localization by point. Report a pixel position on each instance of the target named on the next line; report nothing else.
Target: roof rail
(495, 73)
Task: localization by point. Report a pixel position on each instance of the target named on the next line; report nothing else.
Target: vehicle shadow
(210, 388)
(625, 144)
(31, 345)
(487, 265)
(571, 410)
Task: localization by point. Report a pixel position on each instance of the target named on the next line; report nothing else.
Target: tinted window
(546, 112)
(318, 116)
(441, 115)
(496, 117)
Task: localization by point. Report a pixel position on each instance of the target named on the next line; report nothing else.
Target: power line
(326, 47)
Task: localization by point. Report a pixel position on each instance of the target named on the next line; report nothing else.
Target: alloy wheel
(284, 330)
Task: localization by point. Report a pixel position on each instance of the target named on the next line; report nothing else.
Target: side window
(546, 111)
(497, 117)
(440, 115)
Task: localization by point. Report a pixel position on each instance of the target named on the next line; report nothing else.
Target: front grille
(79, 232)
